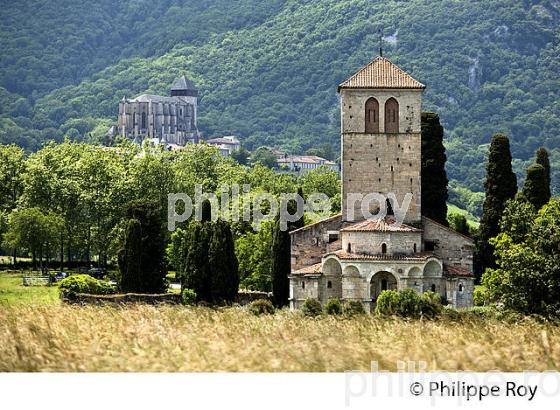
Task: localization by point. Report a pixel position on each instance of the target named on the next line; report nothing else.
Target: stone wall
(304, 287)
(452, 247)
(353, 102)
(309, 244)
(81, 298)
(460, 298)
(244, 297)
(381, 163)
(371, 242)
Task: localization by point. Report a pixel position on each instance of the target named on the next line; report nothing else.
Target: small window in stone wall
(414, 248)
(329, 284)
(433, 287)
(460, 288)
(384, 248)
(302, 284)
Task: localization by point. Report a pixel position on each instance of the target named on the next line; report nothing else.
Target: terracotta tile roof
(307, 159)
(381, 73)
(309, 269)
(387, 224)
(221, 140)
(342, 254)
(456, 271)
(321, 222)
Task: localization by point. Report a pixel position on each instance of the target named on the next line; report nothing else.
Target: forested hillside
(268, 70)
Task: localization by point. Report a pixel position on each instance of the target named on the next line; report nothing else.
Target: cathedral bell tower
(381, 140)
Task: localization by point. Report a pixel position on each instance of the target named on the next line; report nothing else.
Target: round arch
(351, 270)
(331, 267)
(381, 281)
(372, 116)
(433, 268)
(415, 271)
(391, 116)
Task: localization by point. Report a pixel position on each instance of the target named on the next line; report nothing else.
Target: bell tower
(381, 139)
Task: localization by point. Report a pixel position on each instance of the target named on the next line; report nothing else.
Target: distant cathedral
(169, 120)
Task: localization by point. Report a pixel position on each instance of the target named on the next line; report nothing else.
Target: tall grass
(144, 338)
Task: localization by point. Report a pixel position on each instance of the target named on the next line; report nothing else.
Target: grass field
(38, 333)
(145, 338)
(12, 292)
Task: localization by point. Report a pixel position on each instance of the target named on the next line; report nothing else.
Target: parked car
(58, 276)
(97, 273)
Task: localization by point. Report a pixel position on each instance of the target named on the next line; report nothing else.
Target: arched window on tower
(372, 116)
(391, 116)
(384, 248)
(143, 120)
(389, 207)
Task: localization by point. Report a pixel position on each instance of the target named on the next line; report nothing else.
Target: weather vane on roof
(380, 42)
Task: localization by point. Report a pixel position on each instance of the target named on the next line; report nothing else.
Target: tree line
(70, 204)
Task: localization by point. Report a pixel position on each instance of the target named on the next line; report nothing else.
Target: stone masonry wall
(371, 242)
(381, 162)
(309, 243)
(452, 247)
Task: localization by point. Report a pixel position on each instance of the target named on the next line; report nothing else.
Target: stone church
(166, 120)
(352, 258)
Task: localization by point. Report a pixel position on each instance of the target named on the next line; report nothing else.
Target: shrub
(312, 307)
(430, 304)
(387, 303)
(84, 284)
(261, 307)
(188, 297)
(408, 303)
(354, 307)
(333, 307)
(480, 295)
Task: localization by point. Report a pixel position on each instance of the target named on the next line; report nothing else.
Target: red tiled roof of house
(309, 269)
(381, 73)
(342, 254)
(456, 271)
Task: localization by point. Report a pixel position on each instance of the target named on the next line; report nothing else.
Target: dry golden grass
(144, 338)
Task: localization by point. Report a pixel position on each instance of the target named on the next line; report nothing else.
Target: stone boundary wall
(85, 299)
(243, 298)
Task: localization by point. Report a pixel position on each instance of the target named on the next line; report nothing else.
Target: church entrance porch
(379, 282)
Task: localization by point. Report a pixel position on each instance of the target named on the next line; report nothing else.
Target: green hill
(268, 71)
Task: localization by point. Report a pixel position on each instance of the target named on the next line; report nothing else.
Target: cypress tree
(500, 186)
(130, 257)
(535, 189)
(142, 256)
(196, 274)
(206, 211)
(434, 177)
(459, 223)
(281, 257)
(224, 272)
(299, 223)
(542, 159)
(281, 266)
